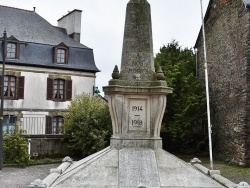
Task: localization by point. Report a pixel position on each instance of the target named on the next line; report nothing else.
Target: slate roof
(30, 28)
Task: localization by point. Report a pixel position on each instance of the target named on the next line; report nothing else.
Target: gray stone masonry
(227, 38)
(137, 94)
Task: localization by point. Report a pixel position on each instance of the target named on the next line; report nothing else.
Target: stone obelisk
(137, 94)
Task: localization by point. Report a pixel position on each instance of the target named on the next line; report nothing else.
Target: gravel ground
(15, 177)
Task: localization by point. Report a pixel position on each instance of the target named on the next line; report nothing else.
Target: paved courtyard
(15, 177)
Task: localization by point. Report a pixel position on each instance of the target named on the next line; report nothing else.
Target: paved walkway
(14, 177)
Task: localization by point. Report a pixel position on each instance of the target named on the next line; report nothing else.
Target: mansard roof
(29, 26)
(39, 37)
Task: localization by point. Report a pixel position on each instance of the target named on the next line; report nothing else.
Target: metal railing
(32, 126)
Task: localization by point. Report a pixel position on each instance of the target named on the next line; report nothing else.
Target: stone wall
(43, 147)
(227, 38)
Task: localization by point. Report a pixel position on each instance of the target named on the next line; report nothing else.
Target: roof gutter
(51, 67)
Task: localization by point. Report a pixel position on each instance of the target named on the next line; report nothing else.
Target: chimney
(72, 23)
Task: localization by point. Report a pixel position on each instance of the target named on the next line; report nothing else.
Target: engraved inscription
(137, 115)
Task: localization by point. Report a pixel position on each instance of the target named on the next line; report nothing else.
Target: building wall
(71, 22)
(227, 38)
(35, 88)
(31, 112)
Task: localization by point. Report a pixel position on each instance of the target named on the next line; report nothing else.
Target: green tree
(187, 105)
(88, 123)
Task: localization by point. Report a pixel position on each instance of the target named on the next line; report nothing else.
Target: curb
(216, 175)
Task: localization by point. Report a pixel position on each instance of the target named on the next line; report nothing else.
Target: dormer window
(11, 50)
(61, 54)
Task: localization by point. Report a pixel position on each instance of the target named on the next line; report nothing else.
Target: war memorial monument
(137, 100)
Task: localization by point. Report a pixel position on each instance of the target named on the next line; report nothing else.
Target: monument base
(118, 143)
(130, 167)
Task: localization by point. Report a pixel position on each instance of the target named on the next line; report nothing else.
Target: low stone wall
(47, 147)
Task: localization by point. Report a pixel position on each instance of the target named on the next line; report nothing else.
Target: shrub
(88, 123)
(15, 149)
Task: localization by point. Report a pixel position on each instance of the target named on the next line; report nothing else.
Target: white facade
(31, 111)
(35, 88)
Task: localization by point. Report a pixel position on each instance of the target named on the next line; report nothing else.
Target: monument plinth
(137, 96)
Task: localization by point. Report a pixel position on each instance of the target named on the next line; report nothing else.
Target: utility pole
(2, 100)
(207, 91)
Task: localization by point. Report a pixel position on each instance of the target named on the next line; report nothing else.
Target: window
(59, 89)
(61, 54)
(9, 122)
(11, 50)
(13, 87)
(9, 86)
(57, 124)
(54, 124)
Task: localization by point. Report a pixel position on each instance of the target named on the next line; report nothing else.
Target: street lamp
(95, 90)
(2, 100)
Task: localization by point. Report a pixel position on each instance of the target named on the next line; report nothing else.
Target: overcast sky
(103, 25)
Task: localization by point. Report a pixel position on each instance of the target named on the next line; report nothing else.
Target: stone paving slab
(98, 171)
(15, 177)
(133, 168)
(137, 166)
(176, 173)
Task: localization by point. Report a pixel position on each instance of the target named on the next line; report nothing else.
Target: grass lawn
(232, 172)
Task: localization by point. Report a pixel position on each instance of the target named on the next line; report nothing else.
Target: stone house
(227, 28)
(46, 67)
